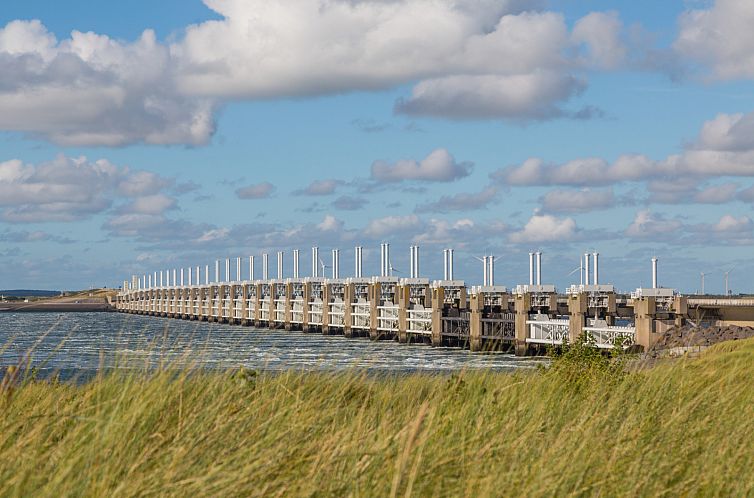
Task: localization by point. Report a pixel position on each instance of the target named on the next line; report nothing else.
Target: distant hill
(29, 293)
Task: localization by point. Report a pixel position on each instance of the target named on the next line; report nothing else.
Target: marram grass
(685, 428)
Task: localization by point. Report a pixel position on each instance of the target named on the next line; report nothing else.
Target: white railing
(316, 309)
(387, 318)
(264, 309)
(251, 308)
(548, 331)
(279, 310)
(297, 310)
(609, 337)
(419, 321)
(502, 328)
(238, 308)
(361, 316)
(337, 314)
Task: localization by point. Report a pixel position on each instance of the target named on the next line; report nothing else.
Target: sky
(145, 136)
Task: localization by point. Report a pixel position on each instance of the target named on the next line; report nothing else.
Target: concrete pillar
(349, 299)
(645, 309)
(438, 306)
(307, 298)
(522, 306)
(257, 306)
(577, 309)
(244, 304)
(402, 294)
(326, 296)
(476, 309)
(288, 306)
(375, 291)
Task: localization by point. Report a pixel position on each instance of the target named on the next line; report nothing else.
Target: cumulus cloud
(599, 34)
(521, 96)
(720, 38)
(392, 225)
(723, 148)
(24, 236)
(729, 223)
(92, 90)
(320, 187)
(68, 189)
(438, 166)
(467, 60)
(578, 201)
(543, 228)
(256, 191)
(651, 225)
(461, 202)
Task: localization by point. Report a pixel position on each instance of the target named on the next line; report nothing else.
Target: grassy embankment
(681, 428)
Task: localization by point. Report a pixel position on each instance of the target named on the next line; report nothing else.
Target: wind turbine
(323, 265)
(727, 274)
(703, 274)
(391, 269)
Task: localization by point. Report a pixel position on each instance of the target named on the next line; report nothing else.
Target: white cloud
(392, 225)
(578, 201)
(68, 189)
(256, 191)
(439, 166)
(92, 90)
(545, 228)
(729, 223)
(724, 148)
(461, 202)
(522, 96)
(330, 224)
(649, 225)
(720, 37)
(149, 204)
(320, 187)
(600, 33)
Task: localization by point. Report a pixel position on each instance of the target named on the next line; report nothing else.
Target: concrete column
(288, 306)
(326, 295)
(438, 305)
(402, 293)
(374, 295)
(476, 308)
(522, 306)
(307, 298)
(244, 304)
(348, 318)
(645, 309)
(577, 309)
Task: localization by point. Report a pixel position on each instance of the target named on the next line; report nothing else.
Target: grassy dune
(580, 428)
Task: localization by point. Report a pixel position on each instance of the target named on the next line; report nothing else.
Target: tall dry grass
(683, 428)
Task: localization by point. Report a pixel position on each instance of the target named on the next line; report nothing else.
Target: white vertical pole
(586, 268)
(280, 265)
(416, 262)
(227, 269)
(251, 268)
(206, 274)
(174, 280)
(654, 273)
(411, 262)
(450, 263)
(295, 263)
(531, 268)
(238, 269)
(387, 260)
(265, 266)
(492, 270)
(484, 265)
(217, 270)
(190, 277)
(150, 283)
(315, 262)
(596, 257)
(182, 284)
(539, 268)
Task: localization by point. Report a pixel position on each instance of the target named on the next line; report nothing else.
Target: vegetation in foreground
(582, 427)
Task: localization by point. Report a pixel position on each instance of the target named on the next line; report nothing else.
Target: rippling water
(76, 344)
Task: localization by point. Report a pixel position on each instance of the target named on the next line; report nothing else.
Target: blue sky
(155, 135)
